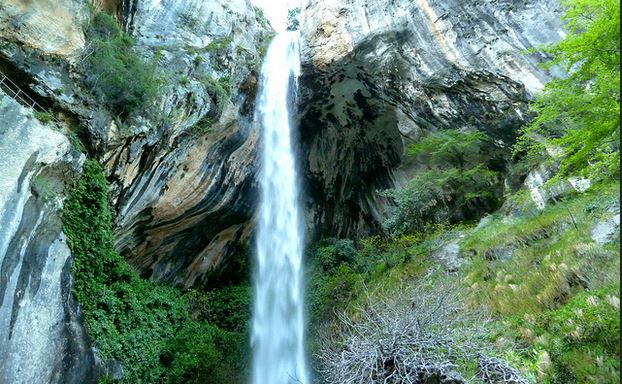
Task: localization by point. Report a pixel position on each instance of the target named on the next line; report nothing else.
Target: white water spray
(278, 325)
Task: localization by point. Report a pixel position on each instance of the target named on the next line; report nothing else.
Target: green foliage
(451, 147)
(584, 337)
(529, 272)
(579, 114)
(219, 91)
(331, 256)
(219, 44)
(45, 188)
(204, 354)
(329, 292)
(581, 338)
(437, 196)
(536, 262)
(44, 117)
(458, 185)
(115, 73)
(261, 18)
(131, 320)
(227, 306)
(339, 274)
(532, 273)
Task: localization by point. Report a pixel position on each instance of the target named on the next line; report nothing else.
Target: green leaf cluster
(456, 184)
(578, 115)
(204, 354)
(331, 256)
(293, 19)
(144, 326)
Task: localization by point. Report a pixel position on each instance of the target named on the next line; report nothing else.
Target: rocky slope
(379, 75)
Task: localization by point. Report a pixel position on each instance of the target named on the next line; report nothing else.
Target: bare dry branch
(420, 336)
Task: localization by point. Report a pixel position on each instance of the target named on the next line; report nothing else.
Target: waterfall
(278, 325)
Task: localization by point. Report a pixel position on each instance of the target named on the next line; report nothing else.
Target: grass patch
(43, 117)
(551, 288)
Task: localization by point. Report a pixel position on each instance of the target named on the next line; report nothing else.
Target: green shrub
(204, 354)
(437, 196)
(44, 117)
(329, 292)
(457, 185)
(228, 307)
(131, 320)
(115, 73)
(331, 256)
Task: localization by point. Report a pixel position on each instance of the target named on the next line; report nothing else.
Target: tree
(578, 115)
(456, 185)
(114, 72)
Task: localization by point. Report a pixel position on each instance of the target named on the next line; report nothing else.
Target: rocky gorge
(161, 95)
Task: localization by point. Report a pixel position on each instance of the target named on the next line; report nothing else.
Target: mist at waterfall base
(277, 335)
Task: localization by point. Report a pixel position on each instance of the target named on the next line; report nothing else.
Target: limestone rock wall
(379, 74)
(52, 27)
(184, 200)
(42, 339)
(182, 172)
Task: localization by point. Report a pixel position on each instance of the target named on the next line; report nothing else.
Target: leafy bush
(228, 306)
(457, 186)
(134, 321)
(331, 256)
(330, 292)
(579, 116)
(449, 148)
(44, 117)
(203, 354)
(115, 73)
(438, 196)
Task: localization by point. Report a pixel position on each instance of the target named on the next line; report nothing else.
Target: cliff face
(376, 76)
(184, 199)
(182, 171)
(41, 335)
(379, 75)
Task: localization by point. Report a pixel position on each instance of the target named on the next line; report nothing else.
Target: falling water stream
(278, 325)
